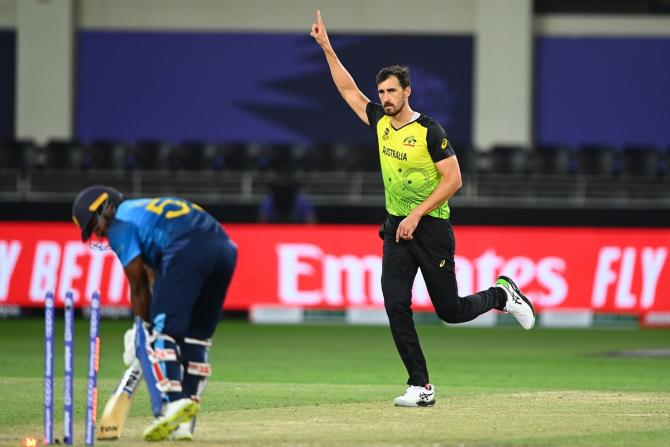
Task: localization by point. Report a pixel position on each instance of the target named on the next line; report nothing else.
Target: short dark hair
(399, 71)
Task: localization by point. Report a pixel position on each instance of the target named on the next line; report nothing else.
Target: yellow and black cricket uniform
(408, 156)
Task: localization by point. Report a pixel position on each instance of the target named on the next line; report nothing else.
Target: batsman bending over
(194, 260)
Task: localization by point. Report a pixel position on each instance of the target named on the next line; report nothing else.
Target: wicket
(68, 337)
(93, 365)
(48, 367)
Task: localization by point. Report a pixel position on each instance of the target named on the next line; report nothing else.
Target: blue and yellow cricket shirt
(149, 227)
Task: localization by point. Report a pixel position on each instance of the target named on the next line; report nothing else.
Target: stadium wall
(219, 87)
(180, 86)
(644, 39)
(602, 90)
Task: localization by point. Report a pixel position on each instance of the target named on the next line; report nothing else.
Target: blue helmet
(90, 203)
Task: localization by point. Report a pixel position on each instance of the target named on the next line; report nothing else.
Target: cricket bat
(114, 416)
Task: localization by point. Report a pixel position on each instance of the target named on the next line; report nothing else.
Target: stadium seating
(510, 159)
(237, 156)
(553, 160)
(191, 156)
(151, 154)
(466, 158)
(331, 173)
(104, 154)
(596, 159)
(16, 154)
(63, 154)
(642, 161)
(362, 157)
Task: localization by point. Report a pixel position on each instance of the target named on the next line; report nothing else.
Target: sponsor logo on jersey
(386, 134)
(409, 141)
(444, 145)
(395, 154)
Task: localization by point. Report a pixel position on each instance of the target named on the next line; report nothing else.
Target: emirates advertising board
(623, 271)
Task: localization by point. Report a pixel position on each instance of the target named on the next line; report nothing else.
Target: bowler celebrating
(193, 259)
(420, 174)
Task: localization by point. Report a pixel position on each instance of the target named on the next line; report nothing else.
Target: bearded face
(392, 109)
(392, 96)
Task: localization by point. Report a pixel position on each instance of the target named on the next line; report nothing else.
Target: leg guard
(168, 366)
(196, 371)
(160, 360)
(148, 362)
(196, 366)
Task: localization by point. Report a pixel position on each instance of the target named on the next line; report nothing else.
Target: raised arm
(343, 81)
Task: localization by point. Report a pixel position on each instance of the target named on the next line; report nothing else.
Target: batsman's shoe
(183, 433)
(517, 304)
(176, 413)
(416, 396)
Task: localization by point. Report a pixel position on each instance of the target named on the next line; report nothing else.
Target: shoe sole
(162, 431)
(425, 404)
(518, 292)
(418, 404)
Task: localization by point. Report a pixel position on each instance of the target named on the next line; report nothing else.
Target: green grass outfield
(334, 385)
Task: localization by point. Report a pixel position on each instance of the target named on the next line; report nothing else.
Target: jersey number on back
(158, 206)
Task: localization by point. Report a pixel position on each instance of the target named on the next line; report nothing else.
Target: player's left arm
(447, 165)
(448, 185)
(445, 189)
(140, 293)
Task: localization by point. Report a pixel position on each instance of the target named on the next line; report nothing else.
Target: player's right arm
(140, 294)
(343, 81)
(124, 239)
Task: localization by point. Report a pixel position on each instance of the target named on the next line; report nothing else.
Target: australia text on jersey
(395, 154)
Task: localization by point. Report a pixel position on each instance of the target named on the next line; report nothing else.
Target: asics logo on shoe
(425, 396)
(518, 305)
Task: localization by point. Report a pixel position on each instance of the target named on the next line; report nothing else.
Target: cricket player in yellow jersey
(420, 174)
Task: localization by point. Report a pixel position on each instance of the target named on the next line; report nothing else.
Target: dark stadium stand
(16, 154)
(642, 161)
(599, 160)
(508, 159)
(553, 160)
(335, 176)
